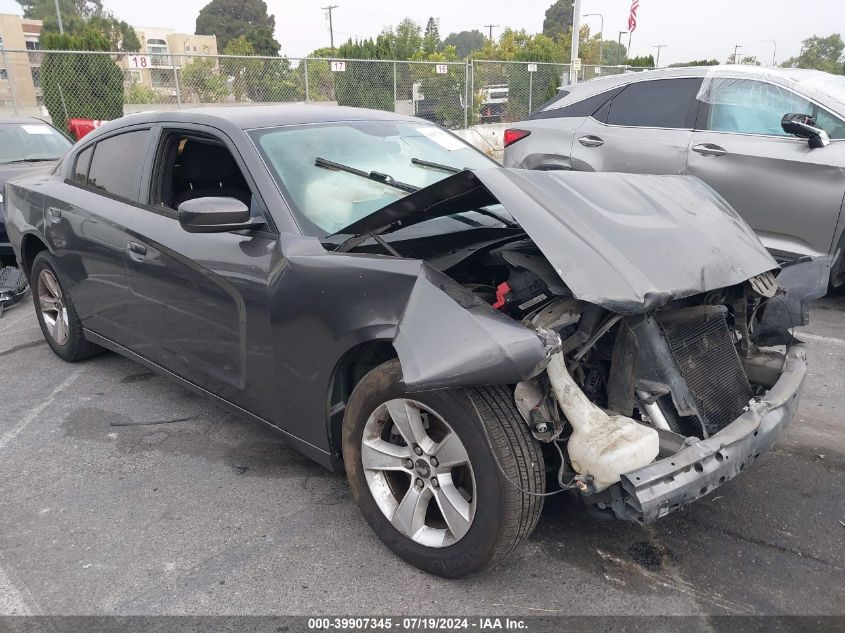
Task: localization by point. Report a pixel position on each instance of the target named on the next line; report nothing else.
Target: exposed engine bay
(625, 390)
(644, 329)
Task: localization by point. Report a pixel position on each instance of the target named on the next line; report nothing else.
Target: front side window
(746, 106)
(327, 200)
(663, 103)
(117, 164)
(24, 142)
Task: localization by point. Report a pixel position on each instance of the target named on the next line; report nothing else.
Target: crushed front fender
(448, 337)
(696, 470)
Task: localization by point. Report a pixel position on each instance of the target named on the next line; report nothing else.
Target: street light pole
(59, 18)
(736, 48)
(576, 37)
(658, 47)
(774, 51)
(619, 45)
(601, 32)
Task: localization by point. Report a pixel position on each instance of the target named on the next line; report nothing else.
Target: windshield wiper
(375, 176)
(28, 160)
(440, 166)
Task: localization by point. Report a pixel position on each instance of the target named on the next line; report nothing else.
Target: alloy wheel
(53, 309)
(418, 472)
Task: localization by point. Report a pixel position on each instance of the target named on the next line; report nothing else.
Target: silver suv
(728, 125)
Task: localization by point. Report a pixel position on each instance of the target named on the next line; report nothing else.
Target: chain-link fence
(62, 85)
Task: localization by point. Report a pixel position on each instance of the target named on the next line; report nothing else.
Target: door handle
(709, 149)
(55, 214)
(591, 141)
(136, 251)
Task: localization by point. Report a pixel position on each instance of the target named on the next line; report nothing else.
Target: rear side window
(666, 103)
(80, 170)
(117, 164)
(585, 107)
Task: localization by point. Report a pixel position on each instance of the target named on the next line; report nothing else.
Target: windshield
(327, 200)
(31, 141)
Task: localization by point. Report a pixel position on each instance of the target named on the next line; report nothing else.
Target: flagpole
(629, 45)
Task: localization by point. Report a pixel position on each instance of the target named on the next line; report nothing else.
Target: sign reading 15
(138, 61)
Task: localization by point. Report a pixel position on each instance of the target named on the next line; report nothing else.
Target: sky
(691, 29)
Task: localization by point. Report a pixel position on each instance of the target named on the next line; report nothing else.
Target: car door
(86, 215)
(199, 297)
(790, 194)
(644, 129)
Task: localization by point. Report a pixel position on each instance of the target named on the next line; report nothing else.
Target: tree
(81, 16)
(431, 40)
(697, 62)
(405, 41)
(821, 53)
(230, 19)
(642, 61)
(80, 86)
(202, 83)
(558, 20)
(260, 79)
(465, 42)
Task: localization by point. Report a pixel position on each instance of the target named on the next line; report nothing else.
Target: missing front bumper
(655, 490)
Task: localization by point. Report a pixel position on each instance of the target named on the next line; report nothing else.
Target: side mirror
(804, 125)
(216, 215)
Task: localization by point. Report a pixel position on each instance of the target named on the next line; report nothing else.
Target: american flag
(632, 17)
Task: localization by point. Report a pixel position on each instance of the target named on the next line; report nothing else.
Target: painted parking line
(33, 414)
(821, 339)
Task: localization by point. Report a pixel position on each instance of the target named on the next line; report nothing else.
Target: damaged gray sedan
(463, 339)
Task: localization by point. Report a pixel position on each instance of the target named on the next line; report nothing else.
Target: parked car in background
(26, 144)
(723, 124)
(449, 332)
(494, 103)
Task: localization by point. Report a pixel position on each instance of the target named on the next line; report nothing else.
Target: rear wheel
(56, 314)
(422, 468)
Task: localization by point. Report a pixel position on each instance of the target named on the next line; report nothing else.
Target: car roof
(824, 87)
(257, 116)
(20, 119)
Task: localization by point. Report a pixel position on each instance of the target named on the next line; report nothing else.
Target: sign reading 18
(139, 61)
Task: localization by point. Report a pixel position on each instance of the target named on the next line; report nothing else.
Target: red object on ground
(81, 127)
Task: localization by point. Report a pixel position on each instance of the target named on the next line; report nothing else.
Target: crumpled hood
(627, 242)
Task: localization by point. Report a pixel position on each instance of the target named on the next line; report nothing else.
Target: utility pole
(601, 32)
(331, 28)
(736, 48)
(490, 27)
(658, 47)
(774, 51)
(59, 18)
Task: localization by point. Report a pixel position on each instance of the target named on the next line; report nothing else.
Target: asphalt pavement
(123, 493)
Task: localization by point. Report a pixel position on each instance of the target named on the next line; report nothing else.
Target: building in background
(23, 75)
(166, 52)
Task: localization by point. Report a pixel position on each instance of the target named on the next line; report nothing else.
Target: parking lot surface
(123, 493)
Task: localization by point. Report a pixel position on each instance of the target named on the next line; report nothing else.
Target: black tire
(482, 418)
(76, 347)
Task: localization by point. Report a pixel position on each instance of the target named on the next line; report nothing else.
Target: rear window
(583, 108)
(36, 141)
(665, 103)
(117, 164)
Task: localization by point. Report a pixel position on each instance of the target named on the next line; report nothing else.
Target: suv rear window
(585, 107)
(665, 103)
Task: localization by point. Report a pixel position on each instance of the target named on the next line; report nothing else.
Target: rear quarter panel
(548, 147)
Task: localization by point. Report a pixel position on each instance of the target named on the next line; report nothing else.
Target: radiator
(704, 352)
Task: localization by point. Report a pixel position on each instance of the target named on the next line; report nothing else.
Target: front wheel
(423, 470)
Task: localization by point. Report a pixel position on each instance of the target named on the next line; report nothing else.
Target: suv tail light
(512, 135)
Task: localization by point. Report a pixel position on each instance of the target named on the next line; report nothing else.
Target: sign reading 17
(138, 61)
